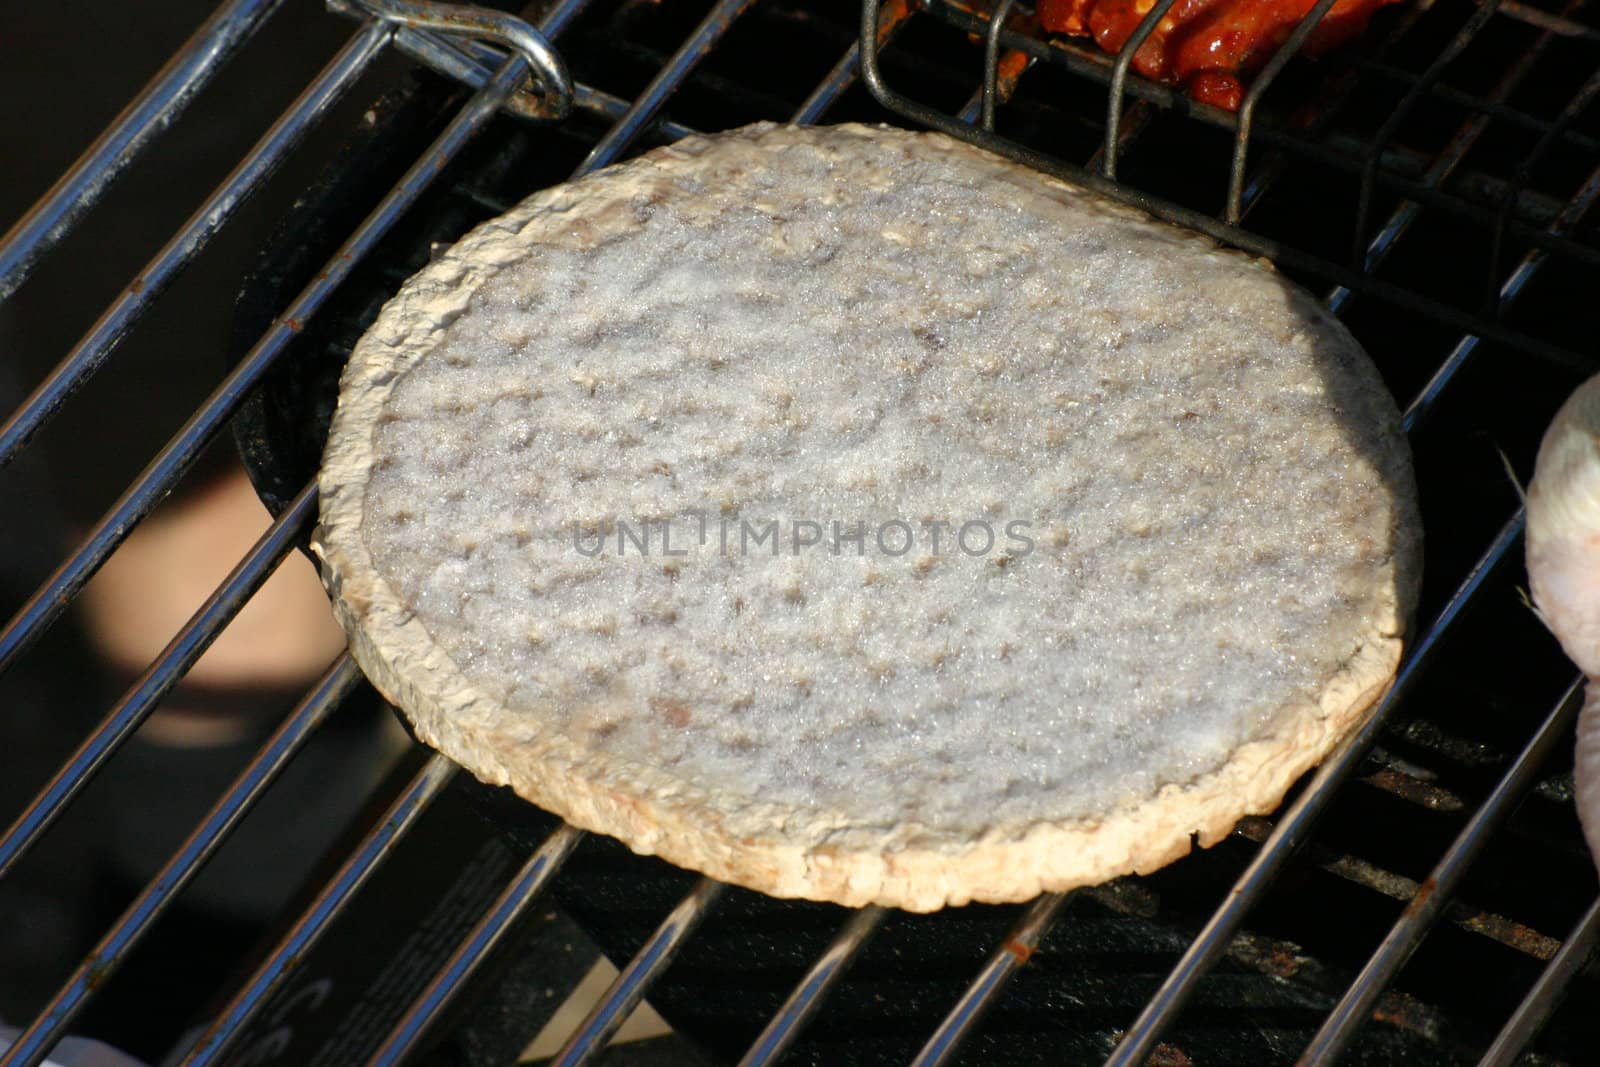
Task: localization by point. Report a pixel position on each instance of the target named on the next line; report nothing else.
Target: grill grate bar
(1487, 107)
(448, 56)
(844, 73)
(980, 995)
(152, 111)
(1338, 151)
(1445, 164)
(1482, 189)
(646, 966)
(840, 77)
(1312, 122)
(1561, 24)
(1232, 211)
(1008, 71)
(180, 453)
(552, 99)
(973, 17)
(1378, 879)
(1425, 908)
(503, 915)
(664, 84)
(600, 102)
(1540, 1001)
(399, 818)
(603, 103)
(1295, 824)
(1424, 401)
(990, 92)
(1119, 84)
(35, 1043)
(1314, 125)
(1569, 114)
(818, 982)
(474, 64)
(468, 59)
(90, 353)
(1408, 103)
(1321, 111)
(838, 80)
(176, 659)
(473, 61)
(1134, 122)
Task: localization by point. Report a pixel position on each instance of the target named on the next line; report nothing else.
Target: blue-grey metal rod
(33, 1044)
(176, 659)
(503, 915)
(973, 112)
(457, 58)
(840, 78)
(1018, 946)
(1448, 159)
(1414, 94)
(600, 102)
(179, 455)
(664, 84)
(91, 352)
(151, 112)
(1315, 122)
(1294, 825)
(1537, 1004)
(400, 817)
(848, 69)
(629, 988)
(1425, 908)
(807, 997)
(554, 97)
(1111, 146)
(1245, 121)
(990, 91)
(474, 64)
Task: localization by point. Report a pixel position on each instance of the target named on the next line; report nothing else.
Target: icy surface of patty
(1123, 500)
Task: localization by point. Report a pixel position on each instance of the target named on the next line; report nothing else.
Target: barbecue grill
(1424, 897)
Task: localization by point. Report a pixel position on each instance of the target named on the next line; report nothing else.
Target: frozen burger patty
(848, 513)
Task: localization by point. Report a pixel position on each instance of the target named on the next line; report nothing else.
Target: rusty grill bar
(493, 53)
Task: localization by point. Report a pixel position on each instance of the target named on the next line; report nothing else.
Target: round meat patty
(848, 513)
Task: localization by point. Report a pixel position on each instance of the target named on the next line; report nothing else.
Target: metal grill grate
(1438, 176)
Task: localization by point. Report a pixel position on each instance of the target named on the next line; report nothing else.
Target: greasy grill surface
(1451, 154)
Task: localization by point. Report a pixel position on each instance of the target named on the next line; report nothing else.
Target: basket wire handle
(1119, 84)
(991, 61)
(552, 101)
(1247, 110)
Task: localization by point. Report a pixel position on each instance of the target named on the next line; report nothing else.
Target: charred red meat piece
(1206, 45)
